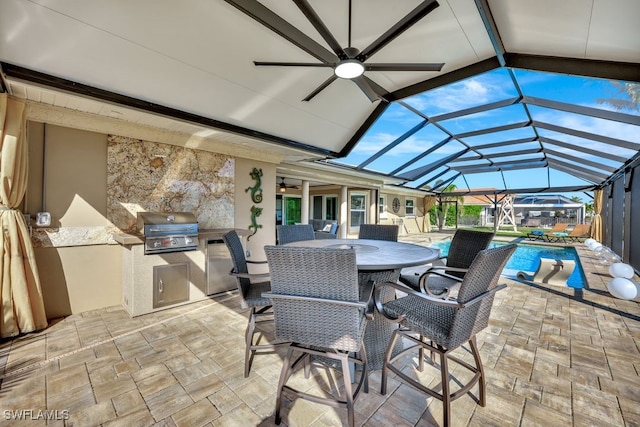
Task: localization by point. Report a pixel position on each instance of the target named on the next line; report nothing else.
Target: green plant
(472, 209)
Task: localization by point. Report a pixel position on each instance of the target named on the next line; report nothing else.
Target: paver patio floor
(553, 357)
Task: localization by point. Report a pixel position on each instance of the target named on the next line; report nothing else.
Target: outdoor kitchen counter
(203, 234)
(155, 281)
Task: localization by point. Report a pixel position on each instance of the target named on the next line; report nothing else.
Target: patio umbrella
(22, 303)
(596, 223)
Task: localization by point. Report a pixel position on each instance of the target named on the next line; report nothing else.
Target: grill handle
(173, 229)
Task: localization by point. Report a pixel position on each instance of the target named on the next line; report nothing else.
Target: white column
(304, 211)
(373, 206)
(344, 212)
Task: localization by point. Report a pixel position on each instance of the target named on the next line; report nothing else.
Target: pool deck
(553, 356)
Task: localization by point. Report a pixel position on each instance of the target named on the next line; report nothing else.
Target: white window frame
(353, 228)
(410, 201)
(382, 206)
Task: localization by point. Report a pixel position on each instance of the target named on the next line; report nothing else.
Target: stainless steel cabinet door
(170, 284)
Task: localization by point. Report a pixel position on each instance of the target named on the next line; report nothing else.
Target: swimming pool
(527, 258)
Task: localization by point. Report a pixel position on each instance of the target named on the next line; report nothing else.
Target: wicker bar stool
(436, 280)
(250, 288)
(441, 327)
(294, 233)
(317, 306)
(378, 232)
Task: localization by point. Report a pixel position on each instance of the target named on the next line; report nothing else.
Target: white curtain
(22, 303)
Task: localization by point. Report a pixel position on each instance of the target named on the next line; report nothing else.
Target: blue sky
(491, 87)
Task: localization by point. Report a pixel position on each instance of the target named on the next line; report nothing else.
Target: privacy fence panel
(617, 216)
(606, 215)
(633, 236)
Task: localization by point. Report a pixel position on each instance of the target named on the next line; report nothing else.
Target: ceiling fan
(348, 62)
(283, 186)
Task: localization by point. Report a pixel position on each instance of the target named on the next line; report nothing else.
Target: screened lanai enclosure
(509, 130)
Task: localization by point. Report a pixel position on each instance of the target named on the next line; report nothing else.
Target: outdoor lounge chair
(441, 327)
(548, 236)
(580, 231)
(330, 231)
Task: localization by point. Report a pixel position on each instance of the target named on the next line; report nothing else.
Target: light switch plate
(43, 219)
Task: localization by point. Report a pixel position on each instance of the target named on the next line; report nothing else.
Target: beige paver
(552, 356)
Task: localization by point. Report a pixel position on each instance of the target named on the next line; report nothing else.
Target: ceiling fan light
(349, 69)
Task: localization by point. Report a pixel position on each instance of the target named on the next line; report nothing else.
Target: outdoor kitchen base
(160, 281)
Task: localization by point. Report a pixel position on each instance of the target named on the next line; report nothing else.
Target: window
(357, 210)
(409, 205)
(382, 207)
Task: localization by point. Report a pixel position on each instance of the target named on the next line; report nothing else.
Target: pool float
(550, 272)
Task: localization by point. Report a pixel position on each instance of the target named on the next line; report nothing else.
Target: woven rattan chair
(378, 232)
(442, 326)
(317, 306)
(436, 280)
(294, 233)
(251, 287)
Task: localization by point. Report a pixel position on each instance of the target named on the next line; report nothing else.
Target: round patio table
(380, 261)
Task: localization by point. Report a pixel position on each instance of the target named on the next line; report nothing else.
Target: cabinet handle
(160, 286)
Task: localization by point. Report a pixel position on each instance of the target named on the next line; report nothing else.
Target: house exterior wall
(395, 212)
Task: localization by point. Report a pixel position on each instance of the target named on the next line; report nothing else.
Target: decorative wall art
(256, 197)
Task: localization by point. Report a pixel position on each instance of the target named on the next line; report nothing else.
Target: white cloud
(592, 125)
(474, 91)
(410, 147)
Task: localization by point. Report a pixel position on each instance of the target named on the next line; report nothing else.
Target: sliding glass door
(292, 210)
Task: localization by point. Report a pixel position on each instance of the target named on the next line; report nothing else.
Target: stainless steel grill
(168, 231)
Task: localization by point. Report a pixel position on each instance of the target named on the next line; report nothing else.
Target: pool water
(527, 258)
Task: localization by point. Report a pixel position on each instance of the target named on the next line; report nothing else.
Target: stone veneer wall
(148, 176)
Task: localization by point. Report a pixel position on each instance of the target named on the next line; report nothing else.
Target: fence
(621, 215)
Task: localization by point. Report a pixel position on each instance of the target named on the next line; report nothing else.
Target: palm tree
(445, 202)
(630, 91)
(588, 209)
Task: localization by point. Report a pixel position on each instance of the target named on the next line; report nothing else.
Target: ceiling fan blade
(321, 87)
(367, 87)
(398, 28)
(396, 66)
(292, 64)
(317, 23)
(269, 19)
